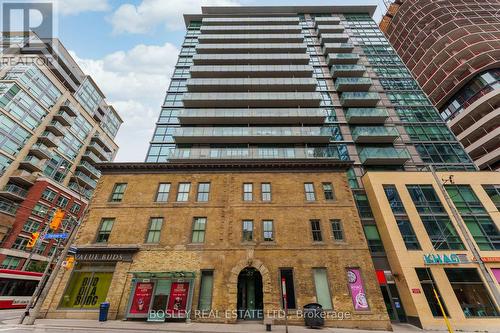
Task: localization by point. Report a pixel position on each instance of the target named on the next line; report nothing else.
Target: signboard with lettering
(103, 256)
(56, 236)
(490, 259)
(444, 259)
(142, 298)
(178, 299)
(416, 290)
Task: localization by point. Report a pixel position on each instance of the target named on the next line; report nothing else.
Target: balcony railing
(348, 70)
(366, 115)
(254, 71)
(23, 177)
(250, 38)
(251, 59)
(49, 139)
(224, 29)
(374, 134)
(91, 156)
(250, 20)
(252, 99)
(55, 127)
(335, 28)
(359, 98)
(383, 156)
(86, 179)
(254, 153)
(252, 48)
(69, 108)
(14, 192)
(64, 118)
(92, 170)
(32, 163)
(338, 47)
(327, 20)
(334, 38)
(8, 207)
(342, 58)
(251, 84)
(86, 193)
(353, 84)
(40, 151)
(99, 150)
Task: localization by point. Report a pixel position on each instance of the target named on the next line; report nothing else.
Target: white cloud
(134, 82)
(73, 7)
(148, 14)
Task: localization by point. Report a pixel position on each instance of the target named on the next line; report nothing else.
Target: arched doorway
(250, 297)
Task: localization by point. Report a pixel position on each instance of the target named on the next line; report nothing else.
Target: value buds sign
(357, 289)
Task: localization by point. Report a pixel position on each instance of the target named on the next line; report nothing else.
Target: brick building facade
(219, 238)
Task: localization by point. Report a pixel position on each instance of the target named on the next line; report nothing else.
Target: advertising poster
(178, 299)
(357, 290)
(142, 298)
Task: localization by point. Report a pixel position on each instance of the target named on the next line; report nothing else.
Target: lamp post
(43, 289)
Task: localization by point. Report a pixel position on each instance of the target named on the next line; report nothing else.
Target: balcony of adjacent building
(91, 157)
(250, 71)
(64, 118)
(8, 207)
(49, 139)
(23, 178)
(252, 116)
(40, 150)
(56, 127)
(359, 98)
(383, 156)
(374, 134)
(250, 38)
(79, 189)
(252, 99)
(342, 58)
(231, 29)
(98, 150)
(14, 192)
(252, 59)
(246, 48)
(252, 135)
(84, 180)
(251, 84)
(347, 70)
(102, 141)
(333, 38)
(32, 164)
(366, 115)
(69, 108)
(254, 153)
(321, 20)
(89, 169)
(361, 84)
(230, 21)
(330, 28)
(338, 48)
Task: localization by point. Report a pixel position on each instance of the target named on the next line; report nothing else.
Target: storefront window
(88, 286)
(471, 292)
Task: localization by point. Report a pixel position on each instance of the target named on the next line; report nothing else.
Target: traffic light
(57, 219)
(33, 239)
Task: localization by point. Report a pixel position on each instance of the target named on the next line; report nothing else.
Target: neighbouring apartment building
(54, 127)
(453, 50)
(276, 86)
(211, 242)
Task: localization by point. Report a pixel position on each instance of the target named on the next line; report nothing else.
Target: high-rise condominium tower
(54, 126)
(452, 48)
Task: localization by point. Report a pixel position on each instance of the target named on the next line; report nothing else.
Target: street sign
(56, 236)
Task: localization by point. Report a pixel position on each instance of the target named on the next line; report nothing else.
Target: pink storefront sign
(357, 289)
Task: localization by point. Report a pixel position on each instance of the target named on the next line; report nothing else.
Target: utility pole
(470, 243)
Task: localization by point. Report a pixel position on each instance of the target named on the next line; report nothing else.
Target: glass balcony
(251, 59)
(55, 127)
(84, 192)
(251, 84)
(353, 84)
(32, 163)
(90, 156)
(94, 147)
(347, 70)
(23, 177)
(224, 29)
(348, 99)
(100, 139)
(374, 134)
(40, 150)
(8, 207)
(338, 47)
(254, 153)
(14, 192)
(252, 116)
(230, 21)
(252, 99)
(327, 20)
(366, 115)
(63, 118)
(251, 48)
(334, 38)
(49, 139)
(335, 28)
(69, 108)
(85, 179)
(89, 169)
(250, 38)
(244, 71)
(383, 156)
(342, 58)
(252, 135)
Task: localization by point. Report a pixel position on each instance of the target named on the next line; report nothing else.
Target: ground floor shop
(225, 287)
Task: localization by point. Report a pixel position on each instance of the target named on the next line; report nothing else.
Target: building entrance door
(250, 298)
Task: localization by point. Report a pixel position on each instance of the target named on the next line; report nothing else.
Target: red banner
(142, 297)
(178, 299)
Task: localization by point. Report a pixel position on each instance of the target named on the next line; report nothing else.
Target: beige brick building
(184, 237)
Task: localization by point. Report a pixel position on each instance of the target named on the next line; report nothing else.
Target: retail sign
(416, 291)
(178, 299)
(490, 259)
(56, 236)
(103, 257)
(357, 289)
(444, 259)
(142, 298)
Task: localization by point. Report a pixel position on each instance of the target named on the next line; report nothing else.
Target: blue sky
(130, 49)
